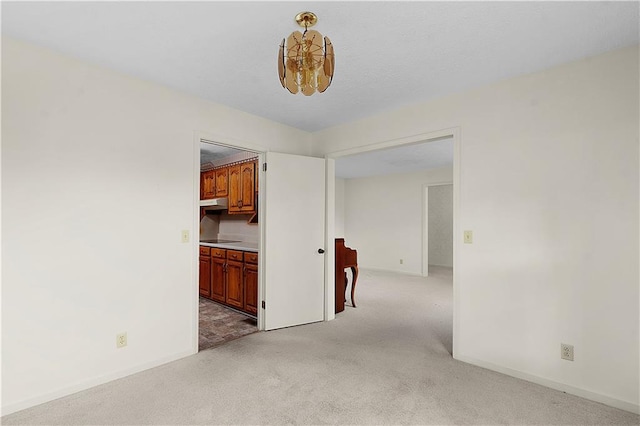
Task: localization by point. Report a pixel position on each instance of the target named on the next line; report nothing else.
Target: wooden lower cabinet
(205, 272)
(218, 278)
(251, 288)
(232, 276)
(235, 284)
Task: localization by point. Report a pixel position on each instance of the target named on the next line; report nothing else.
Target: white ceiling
(405, 159)
(388, 54)
(210, 153)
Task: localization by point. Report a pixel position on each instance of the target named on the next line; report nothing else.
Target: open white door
(294, 269)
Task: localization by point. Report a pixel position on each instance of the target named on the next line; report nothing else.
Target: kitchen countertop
(244, 246)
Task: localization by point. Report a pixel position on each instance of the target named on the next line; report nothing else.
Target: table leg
(354, 270)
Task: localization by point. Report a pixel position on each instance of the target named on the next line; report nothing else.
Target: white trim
(207, 137)
(455, 133)
(368, 268)
(262, 220)
(90, 383)
(330, 233)
(583, 393)
(457, 153)
(407, 140)
(195, 246)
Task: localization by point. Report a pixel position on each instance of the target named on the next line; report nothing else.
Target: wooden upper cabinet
(208, 185)
(222, 182)
(248, 178)
(234, 188)
(242, 188)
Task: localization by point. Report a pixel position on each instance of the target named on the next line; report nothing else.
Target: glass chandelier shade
(306, 61)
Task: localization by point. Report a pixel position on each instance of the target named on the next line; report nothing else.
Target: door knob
(320, 250)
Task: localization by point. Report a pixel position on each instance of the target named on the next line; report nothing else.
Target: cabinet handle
(239, 203)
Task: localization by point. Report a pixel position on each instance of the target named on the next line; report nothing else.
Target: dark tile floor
(219, 324)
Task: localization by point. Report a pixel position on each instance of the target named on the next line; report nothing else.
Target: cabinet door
(209, 184)
(202, 185)
(234, 296)
(234, 188)
(218, 279)
(251, 288)
(247, 178)
(222, 177)
(205, 276)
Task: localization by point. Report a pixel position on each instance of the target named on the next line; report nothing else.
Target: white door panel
(294, 210)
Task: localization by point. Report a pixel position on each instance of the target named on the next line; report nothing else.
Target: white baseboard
(86, 384)
(583, 393)
(367, 268)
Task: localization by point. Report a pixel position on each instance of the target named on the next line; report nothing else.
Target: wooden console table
(345, 258)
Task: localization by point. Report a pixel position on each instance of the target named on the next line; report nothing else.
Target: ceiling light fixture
(306, 62)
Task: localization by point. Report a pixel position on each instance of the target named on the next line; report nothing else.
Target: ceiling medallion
(306, 61)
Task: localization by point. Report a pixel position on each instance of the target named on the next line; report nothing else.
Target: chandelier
(306, 61)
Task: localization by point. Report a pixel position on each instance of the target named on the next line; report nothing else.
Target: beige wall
(340, 213)
(384, 218)
(548, 183)
(97, 183)
(440, 218)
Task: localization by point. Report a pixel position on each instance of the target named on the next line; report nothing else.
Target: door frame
(453, 132)
(207, 137)
(425, 224)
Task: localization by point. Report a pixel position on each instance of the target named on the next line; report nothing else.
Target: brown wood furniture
(207, 185)
(242, 184)
(345, 258)
(238, 182)
(230, 277)
(205, 271)
(222, 182)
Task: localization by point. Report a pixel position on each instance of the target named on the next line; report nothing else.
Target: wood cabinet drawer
(234, 255)
(205, 251)
(250, 257)
(216, 252)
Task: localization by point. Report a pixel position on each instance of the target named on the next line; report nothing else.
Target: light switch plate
(468, 237)
(185, 235)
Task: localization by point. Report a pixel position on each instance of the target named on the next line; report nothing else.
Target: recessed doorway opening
(382, 212)
(229, 241)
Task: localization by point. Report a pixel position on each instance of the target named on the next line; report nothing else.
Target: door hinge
(264, 167)
(264, 305)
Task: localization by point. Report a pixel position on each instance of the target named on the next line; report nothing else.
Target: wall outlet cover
(121, 340)
(566, 351)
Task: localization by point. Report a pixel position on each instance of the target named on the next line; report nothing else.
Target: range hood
(214, 204)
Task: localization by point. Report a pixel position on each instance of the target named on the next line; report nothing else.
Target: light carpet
(387, 361)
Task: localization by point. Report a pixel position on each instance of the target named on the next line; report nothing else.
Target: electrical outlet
(468, 237)
(185, 236)
(401, 261)
(566, 351)
(121, 340)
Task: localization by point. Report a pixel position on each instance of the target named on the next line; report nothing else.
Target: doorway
(293, 199)
(229, 241)
(392, 254)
